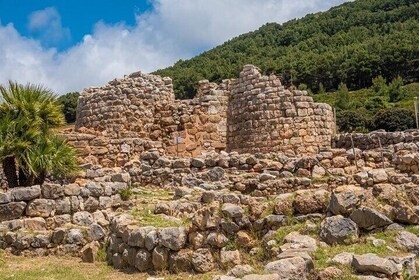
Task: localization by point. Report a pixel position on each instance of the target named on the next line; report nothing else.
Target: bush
(343, 101)
(375, 103)
(29, 149)
(69, 103)
(394, 119)
(349, 120)
(395, 90)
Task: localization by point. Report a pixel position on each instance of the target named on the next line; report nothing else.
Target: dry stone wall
(251, 114)
(265, 117)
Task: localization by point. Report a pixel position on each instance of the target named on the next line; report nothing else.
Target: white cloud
(47, 23)
(170, 31)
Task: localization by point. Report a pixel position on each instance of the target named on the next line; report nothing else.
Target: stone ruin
(256, 186)
(251, 114)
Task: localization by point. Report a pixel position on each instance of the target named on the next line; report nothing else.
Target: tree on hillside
(395, 90)
(69, 104)
(343, 101)
(379, 86)
(29, 150)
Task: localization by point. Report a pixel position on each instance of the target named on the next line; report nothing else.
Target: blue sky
(78, 16)
(68, 45)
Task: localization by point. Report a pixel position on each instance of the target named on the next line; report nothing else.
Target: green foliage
(354, 43)
(125, 194)
(321, 89)
(395, 90)
(379, 85)
(394, 119)
(376, 103)
(343, 101)
(302, 87)
(29, 150)
(69, 104)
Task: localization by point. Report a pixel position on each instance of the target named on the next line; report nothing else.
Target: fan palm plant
(29, 151)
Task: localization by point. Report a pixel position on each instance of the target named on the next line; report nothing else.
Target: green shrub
(394, 119)
(350, 120)
(69, 103)
(343, 101)
(125, 194)
(29, 149)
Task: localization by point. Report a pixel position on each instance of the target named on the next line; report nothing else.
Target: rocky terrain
(247, 216)
(257, 186)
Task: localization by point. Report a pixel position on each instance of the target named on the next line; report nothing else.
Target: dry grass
(69, 268)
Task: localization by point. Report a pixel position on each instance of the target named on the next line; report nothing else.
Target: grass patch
(125, 194)
(285, 230)
(145, 193)
(413, 229)
(146, 217)
(322, 255)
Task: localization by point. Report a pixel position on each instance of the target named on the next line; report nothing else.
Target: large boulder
(296, 268)
(370, 263)
(343, 203)
(12, 210)
(173, 238)
(369, 219)
(338, 230)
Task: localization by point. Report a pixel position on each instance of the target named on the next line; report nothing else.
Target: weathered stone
(217, 240)
(37, 223)
(343, 259)
(378, 175)
(180, 261)
(52, 191)
(409, 241)
(96, 232)
(143, 260)
(240, 270)
(82, 218)
(75, 236)
(72, 189)
(368, 218)
(373, 263)
(160, 258)
(26, 193)
(230, 257)
(173, 238)
(202, 260)
(338, 229)
(151, 240)
(5, 197)
(12, 210)
(137, 237)
(343, 203)
(232, 210)
(89, 252)
(292, 268)
(41, 208)
(307, 202)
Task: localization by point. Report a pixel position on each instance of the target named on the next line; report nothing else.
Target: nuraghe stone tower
(251, 114)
